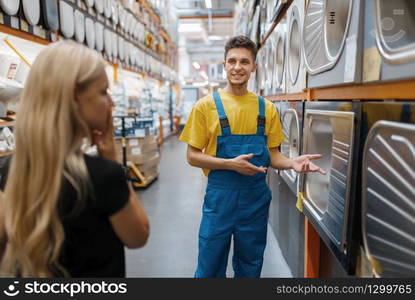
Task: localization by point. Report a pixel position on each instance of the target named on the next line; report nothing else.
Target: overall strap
(223, 119)
(261, 116)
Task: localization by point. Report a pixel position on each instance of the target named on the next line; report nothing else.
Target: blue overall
(235, 204)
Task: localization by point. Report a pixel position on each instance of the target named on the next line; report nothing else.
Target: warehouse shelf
(24, 35)
(399, 90)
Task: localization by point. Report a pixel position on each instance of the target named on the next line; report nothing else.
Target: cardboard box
(138, 150)
(150, 164)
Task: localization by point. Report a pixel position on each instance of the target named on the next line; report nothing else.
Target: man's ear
(254, 69)
(223, 63)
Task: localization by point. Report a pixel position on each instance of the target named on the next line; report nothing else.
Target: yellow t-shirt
(202, 126)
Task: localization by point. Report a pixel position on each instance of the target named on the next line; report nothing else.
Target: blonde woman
(65, 213)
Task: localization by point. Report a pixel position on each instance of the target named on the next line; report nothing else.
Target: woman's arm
(131, 223)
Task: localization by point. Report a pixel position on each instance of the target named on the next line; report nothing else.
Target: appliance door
(67, 19)
(31, 9)
(388, 199)
(90, 33)
(326, 197)
(291, 146)
(10, 7)
(99, 36)
(50, 14)
(79, 26)
(279, 59)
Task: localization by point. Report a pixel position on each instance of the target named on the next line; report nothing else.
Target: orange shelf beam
(311, 251)
(23, 35)
(399, 90)
(285, 97)
(384, 90)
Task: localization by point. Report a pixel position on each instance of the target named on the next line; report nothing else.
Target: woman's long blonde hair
(48, 133)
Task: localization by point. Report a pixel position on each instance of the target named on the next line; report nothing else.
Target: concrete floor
(174, 204)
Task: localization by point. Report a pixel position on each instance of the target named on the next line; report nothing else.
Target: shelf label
(371, 65)
(350, 62)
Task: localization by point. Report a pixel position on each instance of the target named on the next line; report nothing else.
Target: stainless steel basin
(395, 34)
(294, 53)
(317, 186)
(326, 197)
(325, 29)
(291, 146)
(280, 57)
(336, 25)
(388, 198)
(270, 67)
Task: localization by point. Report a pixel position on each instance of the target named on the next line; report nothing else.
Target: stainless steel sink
(280, 57)
(269, 67)
(326, 197)
(294, 53)
(325, 29)
(317, 186)
(336, 25)
(388, 198)
(291, 146)
(395, 34)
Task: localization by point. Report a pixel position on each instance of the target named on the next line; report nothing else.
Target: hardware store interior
(187, 187)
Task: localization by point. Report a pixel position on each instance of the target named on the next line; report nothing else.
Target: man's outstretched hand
(303, 164)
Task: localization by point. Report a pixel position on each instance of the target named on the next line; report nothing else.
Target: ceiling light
(208, 3)
(196, 65)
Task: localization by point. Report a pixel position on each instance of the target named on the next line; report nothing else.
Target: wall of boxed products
(341, 73)
(130, 34)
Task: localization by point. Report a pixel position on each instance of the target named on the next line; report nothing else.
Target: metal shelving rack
(396, 90)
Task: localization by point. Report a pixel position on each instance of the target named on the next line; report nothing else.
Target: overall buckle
(224, 122)
(261, 121)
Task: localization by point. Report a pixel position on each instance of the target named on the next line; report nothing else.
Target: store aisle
(173, 204)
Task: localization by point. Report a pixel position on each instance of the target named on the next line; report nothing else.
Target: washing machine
(296, 71)
(333, 42)
(388, 187)
(389, 40)
(331, 128)
(279, 36)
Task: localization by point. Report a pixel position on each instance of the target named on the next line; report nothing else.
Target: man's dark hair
(241, 41)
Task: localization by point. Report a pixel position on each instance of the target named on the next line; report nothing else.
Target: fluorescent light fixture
(196, 65)
(208, 3)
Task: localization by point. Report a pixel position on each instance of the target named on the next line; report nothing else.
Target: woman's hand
(105, 139)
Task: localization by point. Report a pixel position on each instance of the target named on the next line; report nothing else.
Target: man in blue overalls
(234, 136)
